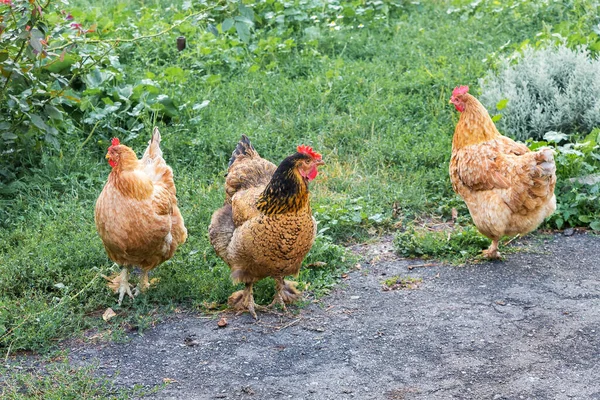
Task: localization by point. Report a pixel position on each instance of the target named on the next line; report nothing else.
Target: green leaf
(496, 117)
(36, 45)
(243, 31)
(501, 104)
(213, 79)
(595, 225)
(247, 21)
(555, 137)
(559, 223)
(169, 107)
(52, 140)
(38, 122)
(9, 136)
(96, 78)
(53, 112)
(585, 218)
(60, 64)
(227, 24)
(124, 92)
(3, 56)
(212, 29)
(246, 12)
(175, 72)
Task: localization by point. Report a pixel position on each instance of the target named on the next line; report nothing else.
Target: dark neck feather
(286, 192)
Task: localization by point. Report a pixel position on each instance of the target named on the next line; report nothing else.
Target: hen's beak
(320, 162)
(107, 156)
(450, 101)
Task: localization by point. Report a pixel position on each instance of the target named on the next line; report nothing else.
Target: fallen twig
(511, 240)
(422, 265)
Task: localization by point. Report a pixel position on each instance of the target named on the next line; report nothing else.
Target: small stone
(569, 232)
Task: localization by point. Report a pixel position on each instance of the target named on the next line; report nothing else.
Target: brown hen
(508, 188)
(136, 214)
(266, 227)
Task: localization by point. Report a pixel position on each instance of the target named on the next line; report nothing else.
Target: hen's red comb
(460, 90)
(115, 141)
(304, 149)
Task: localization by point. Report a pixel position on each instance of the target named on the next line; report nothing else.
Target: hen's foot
(143, 284)
(285, 293)
(492, 252)
(124, 286)
(243, 300)
(278, 300)
(289, 292)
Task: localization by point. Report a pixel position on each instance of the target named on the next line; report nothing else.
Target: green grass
(373, 101)
(58, 379)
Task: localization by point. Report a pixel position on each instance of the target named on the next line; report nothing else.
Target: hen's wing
(164, 194)
(527, 176)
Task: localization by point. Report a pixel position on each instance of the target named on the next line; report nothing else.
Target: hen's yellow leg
(285, 292)
(243, 300)
(143, 284)
(124, 286)
(492, 251)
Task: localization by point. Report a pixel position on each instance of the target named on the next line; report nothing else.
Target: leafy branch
(150, 36)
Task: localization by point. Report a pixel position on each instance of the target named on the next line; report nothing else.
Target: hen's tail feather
(244, 147)
(153, 150)
(543, 176)
(545, 161)
(221, 230)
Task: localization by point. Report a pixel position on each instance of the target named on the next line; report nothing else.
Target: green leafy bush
(578, 179)
(44, 53)
(548, 89)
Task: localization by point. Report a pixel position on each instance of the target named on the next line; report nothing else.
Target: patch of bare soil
(524, 328)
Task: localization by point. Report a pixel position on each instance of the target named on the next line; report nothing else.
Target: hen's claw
(492, 252)
(285, 292)
(143, 284)
(243, 300)
(124, 286)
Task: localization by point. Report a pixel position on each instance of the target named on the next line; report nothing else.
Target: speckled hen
(265, 227)
(508, 188)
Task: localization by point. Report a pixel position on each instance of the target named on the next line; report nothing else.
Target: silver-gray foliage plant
(549, 89)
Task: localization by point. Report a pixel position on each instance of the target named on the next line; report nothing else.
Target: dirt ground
(524, 328)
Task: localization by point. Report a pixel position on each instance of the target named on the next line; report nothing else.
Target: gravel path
(525, 328)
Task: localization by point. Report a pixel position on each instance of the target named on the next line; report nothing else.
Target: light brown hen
(508, 188)
(265, 227)
(136, 214)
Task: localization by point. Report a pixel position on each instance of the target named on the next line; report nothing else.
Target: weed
(457, 245)
(399, 283)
